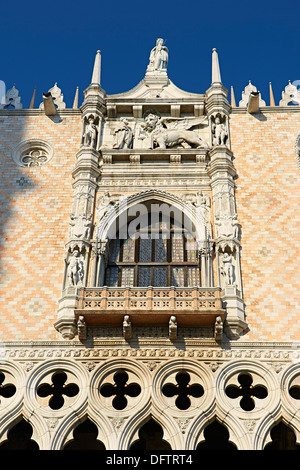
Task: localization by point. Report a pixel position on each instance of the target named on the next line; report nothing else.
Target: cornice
(267, 110)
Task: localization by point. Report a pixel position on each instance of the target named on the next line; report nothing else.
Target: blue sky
(56, 42)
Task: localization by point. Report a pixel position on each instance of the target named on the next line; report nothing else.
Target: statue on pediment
(158, 59)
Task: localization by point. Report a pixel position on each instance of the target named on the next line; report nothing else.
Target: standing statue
(90, 133)
(227, 269)
(219, 132)
(158, 56)
(75, 270)
(123, 136)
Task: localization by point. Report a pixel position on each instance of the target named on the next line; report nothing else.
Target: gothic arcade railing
(193, 305)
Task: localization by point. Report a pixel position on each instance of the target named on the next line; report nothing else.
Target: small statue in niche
(90, 132)
(159, 55)
(75, 271)
(219, 131)
(227, 269)
(123, 136)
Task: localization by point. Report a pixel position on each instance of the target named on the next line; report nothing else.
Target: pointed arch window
(155, 255)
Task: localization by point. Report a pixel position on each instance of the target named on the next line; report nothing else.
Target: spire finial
(233, 103)
(272, 101)
(31, 106)
(75, 103)
(216, 75)
(97, 69)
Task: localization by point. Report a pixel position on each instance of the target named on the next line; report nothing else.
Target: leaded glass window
(153, 258)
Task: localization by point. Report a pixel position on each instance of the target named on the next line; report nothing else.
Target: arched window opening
(85, 438)
(216, 438)
(19, 438)
(283, 438)
(159, 253)
(150, 438)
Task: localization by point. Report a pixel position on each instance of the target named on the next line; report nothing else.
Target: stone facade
(215, 310)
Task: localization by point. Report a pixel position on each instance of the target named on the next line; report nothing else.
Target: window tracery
(32, 153)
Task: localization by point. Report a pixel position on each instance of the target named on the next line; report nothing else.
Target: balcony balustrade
(151, 305)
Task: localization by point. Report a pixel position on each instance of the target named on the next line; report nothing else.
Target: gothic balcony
(192, 306)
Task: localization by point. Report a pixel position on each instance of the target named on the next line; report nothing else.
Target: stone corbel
(127, 329)
(135, 158)
(175, 158)
(137, 111)
(81, 328)
(199, 109)
(66, 323)
(173, 328)
(235, 324)
(175, 110)
(218, 329)
(111, 110)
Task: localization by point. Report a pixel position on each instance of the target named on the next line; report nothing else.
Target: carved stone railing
(151, 305)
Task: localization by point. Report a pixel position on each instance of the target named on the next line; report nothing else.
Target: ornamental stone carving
(57, 96)
(12, 99)
(80, 226)
(290, 95)
(246, 95)
(170, 132)
(104, 204)
(123, 135)
(227, 226)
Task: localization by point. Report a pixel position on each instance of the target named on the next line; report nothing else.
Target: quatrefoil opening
(183, 390)
(120, 390)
